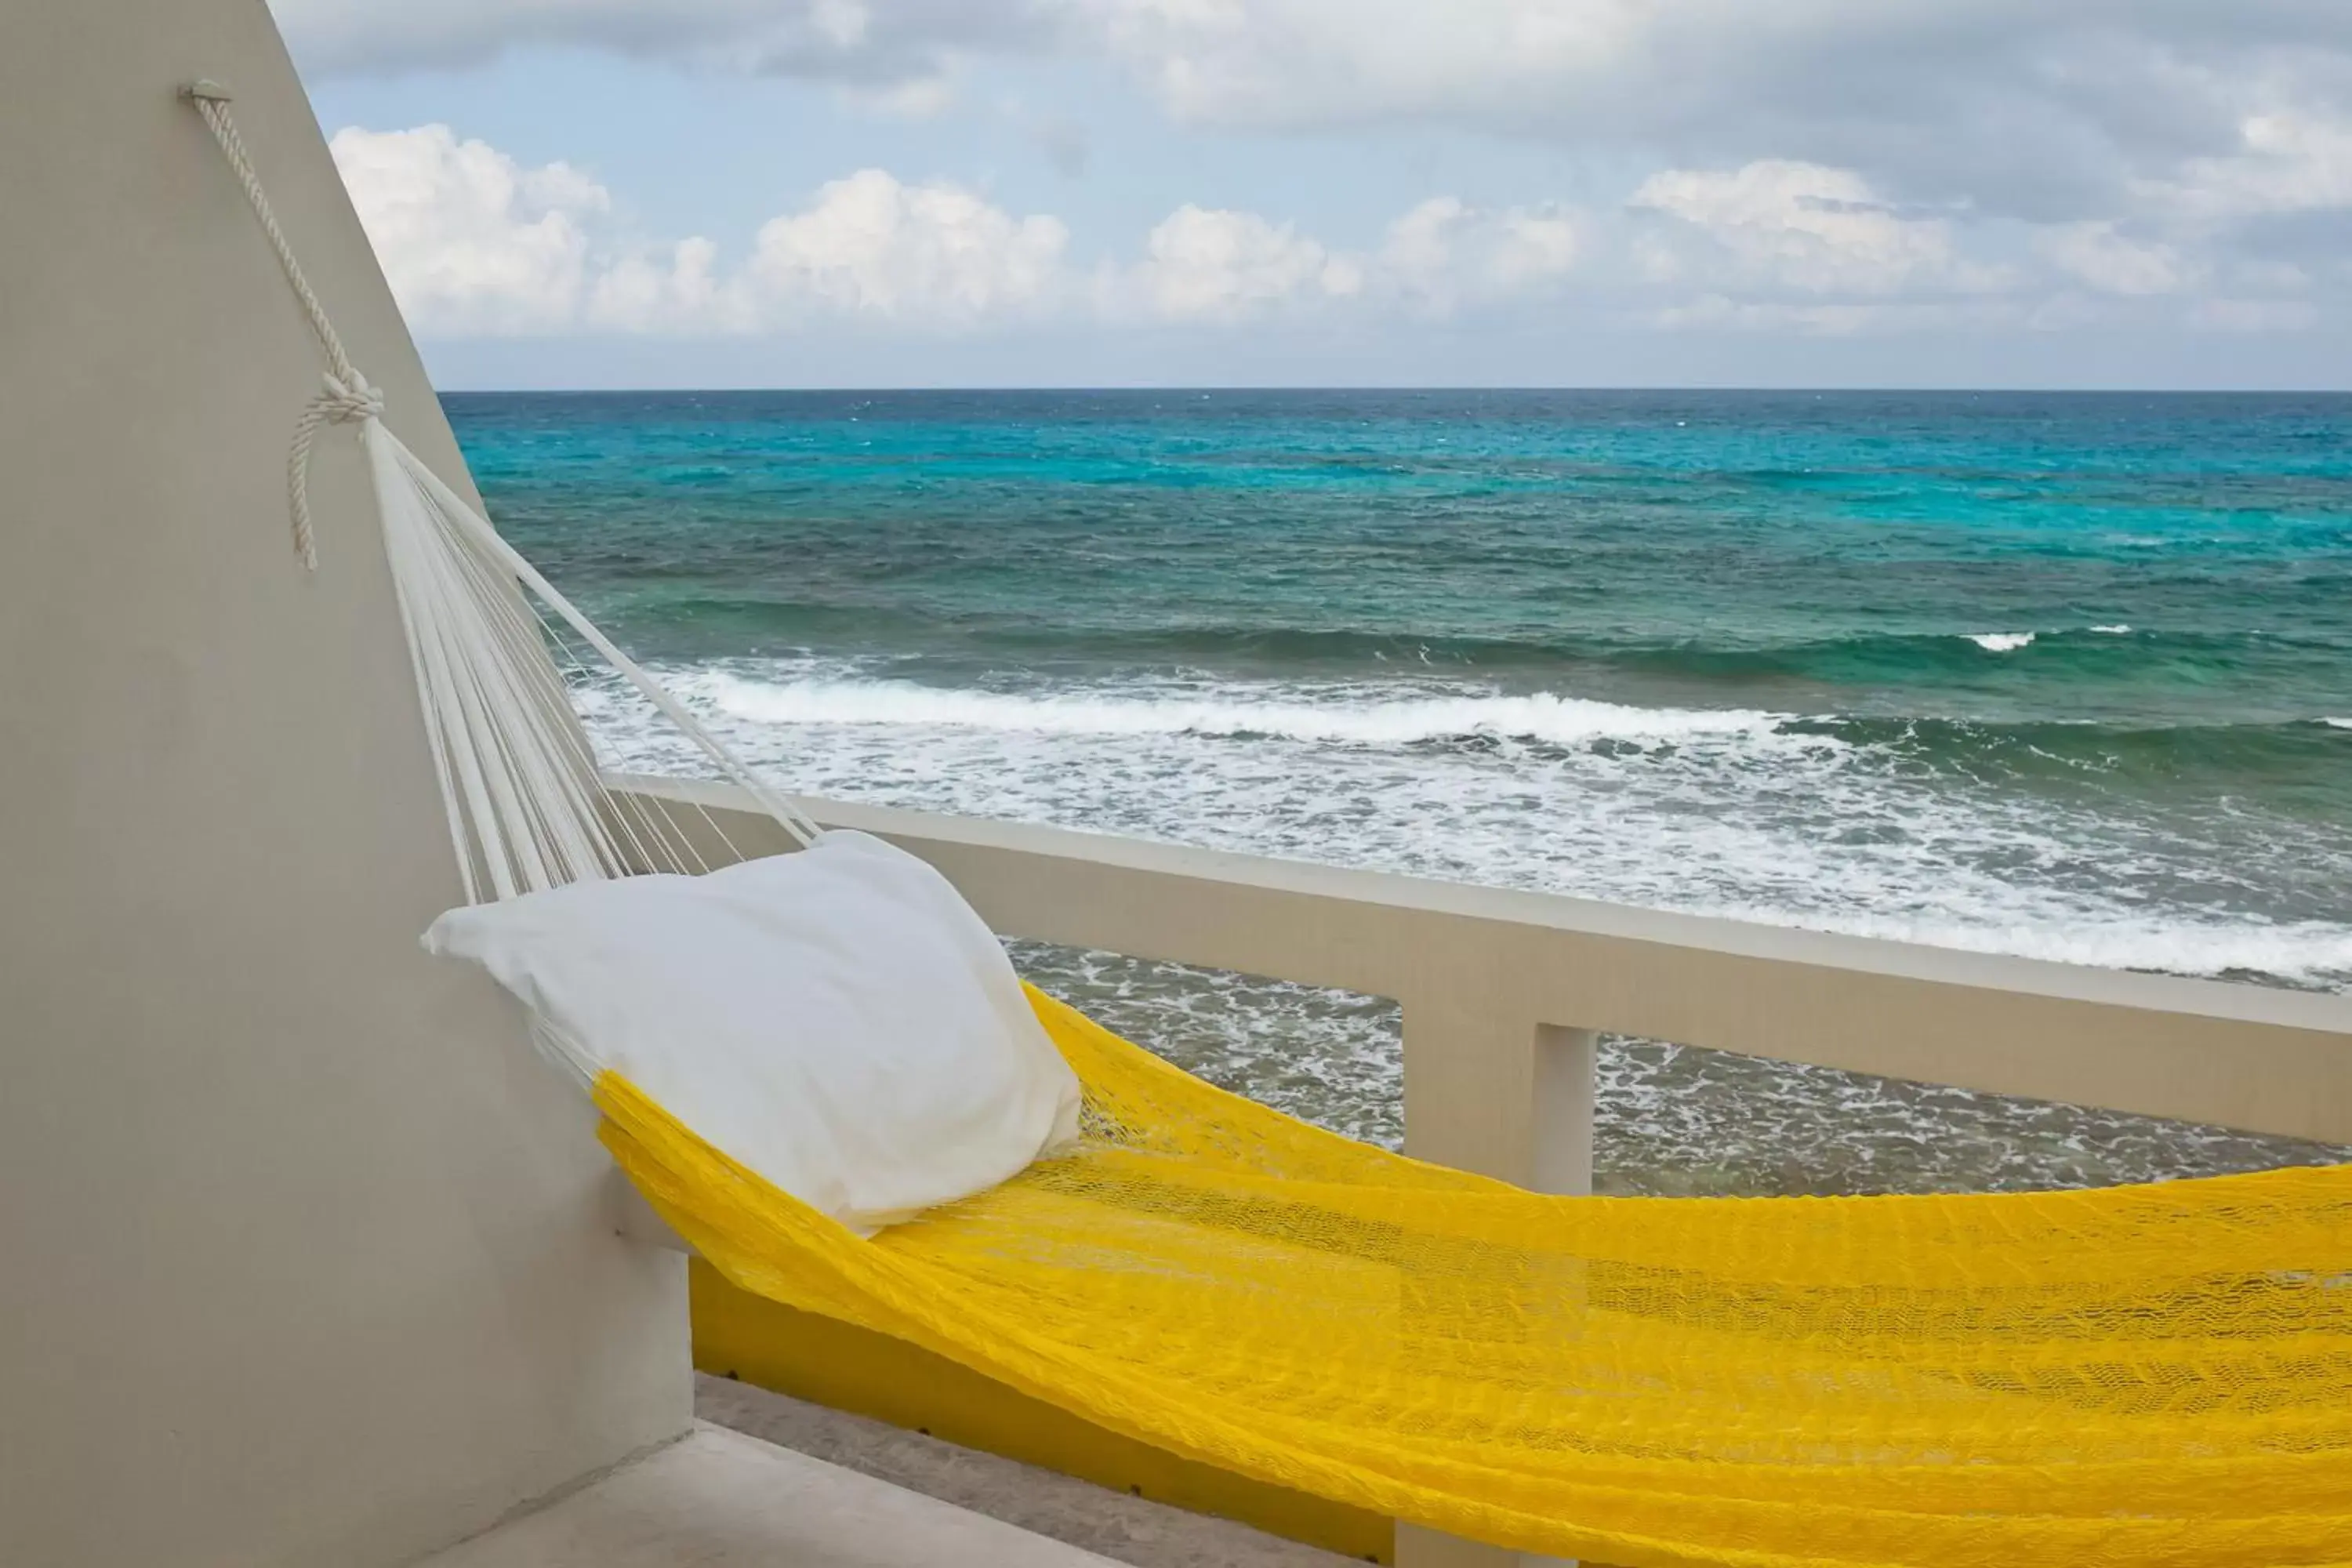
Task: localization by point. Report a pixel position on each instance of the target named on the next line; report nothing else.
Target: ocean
(2061, 675)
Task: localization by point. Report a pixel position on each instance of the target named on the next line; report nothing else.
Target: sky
(1549, 193)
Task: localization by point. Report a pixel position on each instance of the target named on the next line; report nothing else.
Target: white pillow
(838, 1019)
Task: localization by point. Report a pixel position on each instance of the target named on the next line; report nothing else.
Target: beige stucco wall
(304, 1258)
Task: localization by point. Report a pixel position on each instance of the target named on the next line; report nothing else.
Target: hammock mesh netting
(2151, 1375)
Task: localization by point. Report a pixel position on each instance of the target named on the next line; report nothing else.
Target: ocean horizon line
(1394, 389)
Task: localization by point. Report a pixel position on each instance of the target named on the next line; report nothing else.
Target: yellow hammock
(2150, 1375)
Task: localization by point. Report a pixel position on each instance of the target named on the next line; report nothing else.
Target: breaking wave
(2048, 839)
(1340, 715)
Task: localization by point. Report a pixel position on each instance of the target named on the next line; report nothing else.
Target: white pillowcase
(838, 1019)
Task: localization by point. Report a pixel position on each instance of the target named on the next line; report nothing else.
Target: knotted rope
(522, 791)
(338, 403)
(346, 396)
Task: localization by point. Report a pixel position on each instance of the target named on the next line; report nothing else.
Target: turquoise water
(2068, 677)
(2061, 675)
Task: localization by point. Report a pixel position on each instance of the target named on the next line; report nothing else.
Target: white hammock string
(523, 795)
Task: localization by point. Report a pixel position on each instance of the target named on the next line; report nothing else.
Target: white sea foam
(2338, 723)
(2001, 642)
(2305, 950)
(1737, 813)
(1343, 714)
(2114, 631)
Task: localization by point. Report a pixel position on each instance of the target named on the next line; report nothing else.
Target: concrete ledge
(719, 1499)
(1134, 1530)
(1478, 970)
(923, 1396)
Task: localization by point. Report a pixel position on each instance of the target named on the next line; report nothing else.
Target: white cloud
(647, 291)
(2286, 162)
(1297, 61)
(1439, 256)
(872, 246)
(2017, 106)
(476, 244)
(844, 24)
(1444, 253)
(1531, 246)
(2125, 156)
(1777, 223)
(2094, 253)
(1215, 264)
(1421, 244)
(1977, 109)
(472, 241)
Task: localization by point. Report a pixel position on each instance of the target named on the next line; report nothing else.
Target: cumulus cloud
(1795, 226)
(476, 244)
(1443, 253)
(871, 245)
(1439, 257)
(1827, 164)
(473, 242)
(2286, 162)
(672, 289)
(1201, 264)
(2016, 107)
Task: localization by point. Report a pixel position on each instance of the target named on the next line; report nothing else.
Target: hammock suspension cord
(521, 790)
(345, 398)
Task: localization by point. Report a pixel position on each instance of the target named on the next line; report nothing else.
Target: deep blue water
(2066, 675)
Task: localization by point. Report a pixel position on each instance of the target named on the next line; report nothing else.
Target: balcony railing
(1503, 991)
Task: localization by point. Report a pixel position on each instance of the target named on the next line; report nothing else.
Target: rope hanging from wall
(520, 788)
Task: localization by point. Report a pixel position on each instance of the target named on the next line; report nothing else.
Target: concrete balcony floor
(716, 1499)
(788, 1485)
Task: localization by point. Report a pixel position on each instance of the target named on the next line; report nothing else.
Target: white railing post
(1470, 1081)
(1487, 1088)
(1562, 1159)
